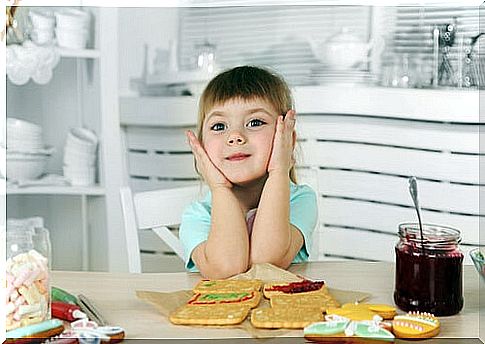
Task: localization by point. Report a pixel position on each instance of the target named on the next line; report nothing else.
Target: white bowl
(22, 126)
(24, 148)
(23, 151)
(20, 134)
(25, 167)
(23, 145)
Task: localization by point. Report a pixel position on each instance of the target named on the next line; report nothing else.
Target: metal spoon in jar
(413, 190)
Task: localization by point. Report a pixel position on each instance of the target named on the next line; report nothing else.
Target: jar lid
(433, 234)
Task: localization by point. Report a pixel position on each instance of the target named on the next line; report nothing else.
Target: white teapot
(342, 51)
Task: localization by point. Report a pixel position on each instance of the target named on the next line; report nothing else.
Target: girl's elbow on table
(220, 269)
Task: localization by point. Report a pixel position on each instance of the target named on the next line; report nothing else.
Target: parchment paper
(168, 302)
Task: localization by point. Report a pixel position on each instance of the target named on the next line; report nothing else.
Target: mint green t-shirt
(196, 222)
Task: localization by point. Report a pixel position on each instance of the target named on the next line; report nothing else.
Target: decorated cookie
(318, 331)
(285, 317)
(385, 311)
(305, 286)
(322, 300)
(415, 325)
(247, 298)
(210, 315)
(363, 311)
(337, 329)
(356, 314)
(223, 286)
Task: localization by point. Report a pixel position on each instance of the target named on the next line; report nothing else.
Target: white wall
(137, 26)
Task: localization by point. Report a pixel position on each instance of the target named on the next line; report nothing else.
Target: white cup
(72, 39)
(72, 19)
(42, 36)
(80, 176)
(42, 19)
(82, 137)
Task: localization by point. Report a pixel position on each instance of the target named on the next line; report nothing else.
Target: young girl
(255, 212)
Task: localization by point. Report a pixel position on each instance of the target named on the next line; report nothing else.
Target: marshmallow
(29, 321)
(32, 276)
(20, 300)
(16, 315)
(10, 308)
(31, 294)
(41, 287)
(38, 257)
(14, 294)
(29, 309)
(11, 324)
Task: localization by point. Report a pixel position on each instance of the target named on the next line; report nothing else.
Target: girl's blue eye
(218, 127)
(255, 123)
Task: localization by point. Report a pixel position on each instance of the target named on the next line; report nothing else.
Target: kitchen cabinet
(85, 223)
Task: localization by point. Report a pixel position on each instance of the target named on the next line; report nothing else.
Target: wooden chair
(156, 211)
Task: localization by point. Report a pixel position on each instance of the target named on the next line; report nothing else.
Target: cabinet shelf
(79, 53)
(57, 190)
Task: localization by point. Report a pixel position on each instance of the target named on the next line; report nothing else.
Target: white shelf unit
(84, 222)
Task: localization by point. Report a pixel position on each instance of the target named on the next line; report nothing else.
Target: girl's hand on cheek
(281, 159)
(211, 174)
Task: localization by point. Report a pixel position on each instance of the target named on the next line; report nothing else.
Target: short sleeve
(304, 216)
(194, 229)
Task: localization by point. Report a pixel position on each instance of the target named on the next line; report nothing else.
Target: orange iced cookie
(363, 311)
(415, 325)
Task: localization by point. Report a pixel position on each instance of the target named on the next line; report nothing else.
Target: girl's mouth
(238, 157)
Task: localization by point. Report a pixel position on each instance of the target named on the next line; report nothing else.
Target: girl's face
(238, 137)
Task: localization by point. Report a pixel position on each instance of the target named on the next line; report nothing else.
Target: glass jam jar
(27, 273)
(429, 271)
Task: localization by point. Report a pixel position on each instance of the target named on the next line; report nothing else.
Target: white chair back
(156, 210)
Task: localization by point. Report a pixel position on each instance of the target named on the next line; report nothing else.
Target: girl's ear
(294, 139)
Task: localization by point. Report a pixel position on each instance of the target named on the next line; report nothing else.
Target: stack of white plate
(326, 76)
(80, 157)
(26, 154)
(72, 28)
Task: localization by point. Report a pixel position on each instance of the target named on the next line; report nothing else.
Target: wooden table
(114, 295)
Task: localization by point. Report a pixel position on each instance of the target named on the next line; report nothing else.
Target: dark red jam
(298, 287)
(429, 278)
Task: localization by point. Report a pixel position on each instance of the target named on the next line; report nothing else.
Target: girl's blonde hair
(246, 83)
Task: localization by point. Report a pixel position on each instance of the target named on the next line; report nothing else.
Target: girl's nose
(236, 138)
